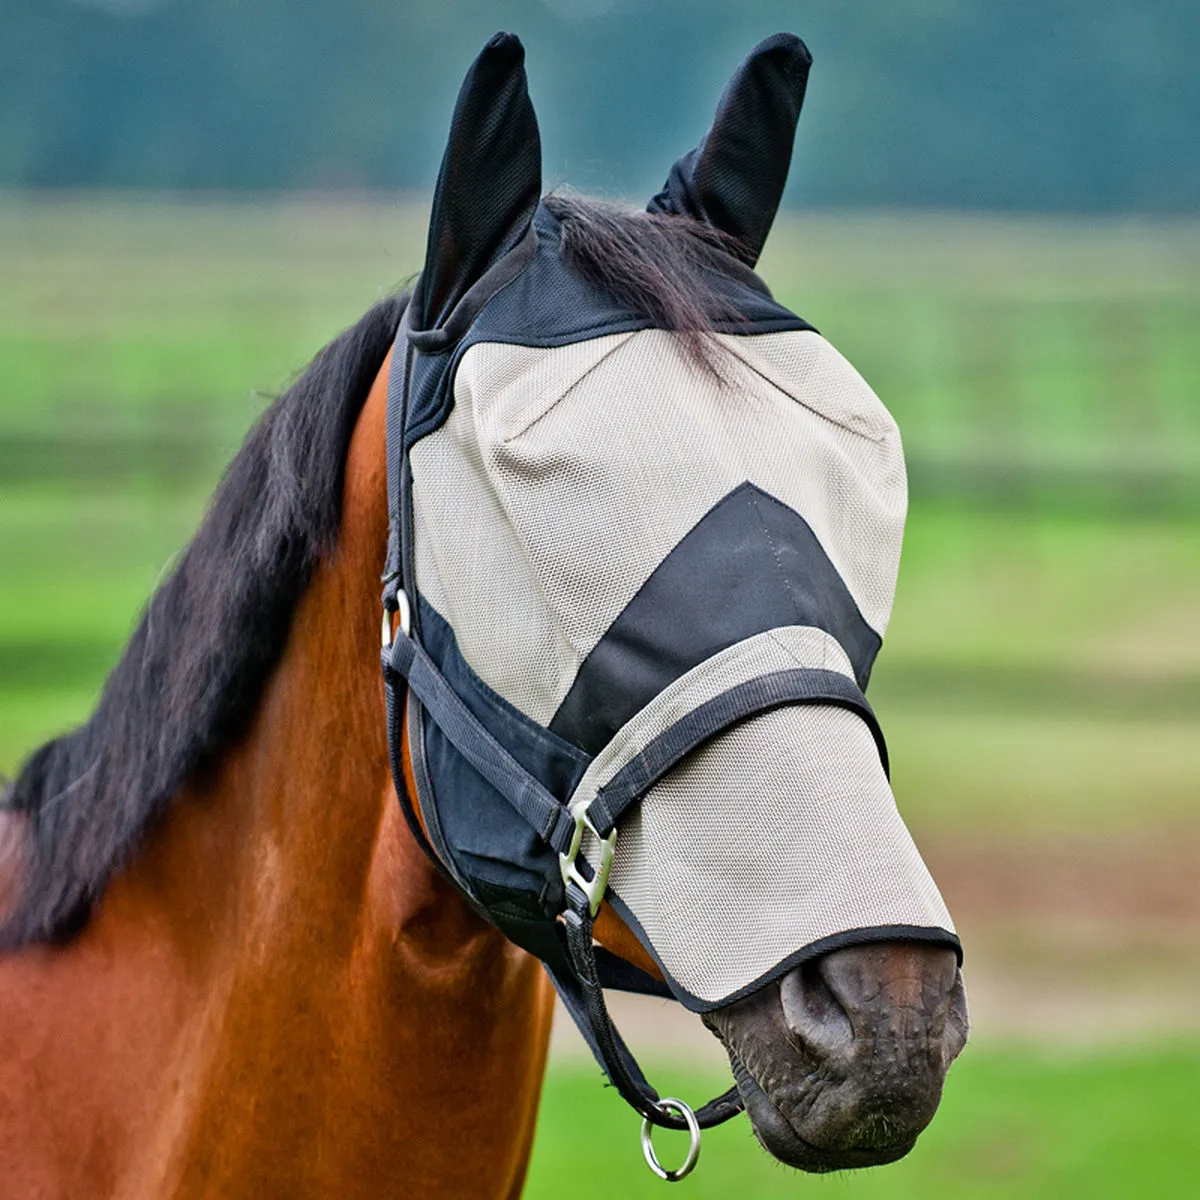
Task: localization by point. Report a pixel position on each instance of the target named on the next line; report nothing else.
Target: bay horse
(229, 970)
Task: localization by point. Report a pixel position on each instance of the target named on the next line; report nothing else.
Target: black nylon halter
(409, 672)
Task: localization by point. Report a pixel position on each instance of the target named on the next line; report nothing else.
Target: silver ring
(671, 1104)
(404, 611)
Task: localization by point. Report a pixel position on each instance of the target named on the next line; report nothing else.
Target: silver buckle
(592, 888)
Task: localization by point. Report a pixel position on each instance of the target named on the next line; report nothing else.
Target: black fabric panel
(734, 179)
(489, 183)
(544, 813)
(461, 317)
(546, 303)
(487, 839)
(424, 799)
(551, 304)
(749, 565)
(508, 910)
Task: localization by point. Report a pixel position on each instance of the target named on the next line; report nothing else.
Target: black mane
(193, 671)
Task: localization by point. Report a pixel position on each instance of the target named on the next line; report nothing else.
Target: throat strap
(585, 999)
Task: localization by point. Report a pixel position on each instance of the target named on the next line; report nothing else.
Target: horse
(227, 964)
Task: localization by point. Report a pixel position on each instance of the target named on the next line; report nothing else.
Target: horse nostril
(958, 1024)
(812, 1012)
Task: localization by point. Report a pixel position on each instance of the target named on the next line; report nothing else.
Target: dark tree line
(1090, 105)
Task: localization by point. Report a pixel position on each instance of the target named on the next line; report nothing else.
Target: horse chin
(780, 1138)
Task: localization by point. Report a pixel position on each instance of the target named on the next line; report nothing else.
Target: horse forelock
(661, 265)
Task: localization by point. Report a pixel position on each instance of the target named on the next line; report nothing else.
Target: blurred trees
(1023, 104)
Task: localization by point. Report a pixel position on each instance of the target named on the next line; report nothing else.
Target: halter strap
(405, 662)
(607, 1044)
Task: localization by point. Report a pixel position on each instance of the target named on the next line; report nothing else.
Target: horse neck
(340, 1022)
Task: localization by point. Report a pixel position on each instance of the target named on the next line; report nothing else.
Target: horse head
(646, 525)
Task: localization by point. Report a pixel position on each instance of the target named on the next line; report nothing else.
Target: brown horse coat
(280, 996)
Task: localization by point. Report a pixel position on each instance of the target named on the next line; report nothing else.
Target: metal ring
(404, 609)
(680, 1172)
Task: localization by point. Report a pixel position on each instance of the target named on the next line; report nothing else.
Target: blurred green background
(1006, 245)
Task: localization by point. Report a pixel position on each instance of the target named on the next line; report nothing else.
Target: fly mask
(640, 586)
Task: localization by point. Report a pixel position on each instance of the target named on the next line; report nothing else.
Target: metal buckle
(405, 610)
(592, 888)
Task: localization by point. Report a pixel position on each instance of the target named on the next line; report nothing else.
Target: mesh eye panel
(563, 477)
(780, 832)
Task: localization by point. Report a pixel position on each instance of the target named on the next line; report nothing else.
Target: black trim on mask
(749, 564)
(867, 935)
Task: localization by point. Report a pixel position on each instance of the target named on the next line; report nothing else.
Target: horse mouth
(780, 1139)
(778, 1136)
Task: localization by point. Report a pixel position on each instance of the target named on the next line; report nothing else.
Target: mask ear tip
(490, 179)
(786, 43)
(505, 43)
(734, 180)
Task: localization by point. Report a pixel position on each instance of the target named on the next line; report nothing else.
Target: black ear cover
(733, 181)
(489, 183)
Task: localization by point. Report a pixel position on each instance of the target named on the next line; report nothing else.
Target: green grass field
(1041, 677)
(1052, 559)
(1020, 355)
(1014, 1123)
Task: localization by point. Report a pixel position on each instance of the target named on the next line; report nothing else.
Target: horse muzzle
(840, 1064)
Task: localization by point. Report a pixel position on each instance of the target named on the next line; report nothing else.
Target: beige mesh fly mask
(641, 588)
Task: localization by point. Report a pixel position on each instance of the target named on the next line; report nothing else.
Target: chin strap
(619, 1065)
